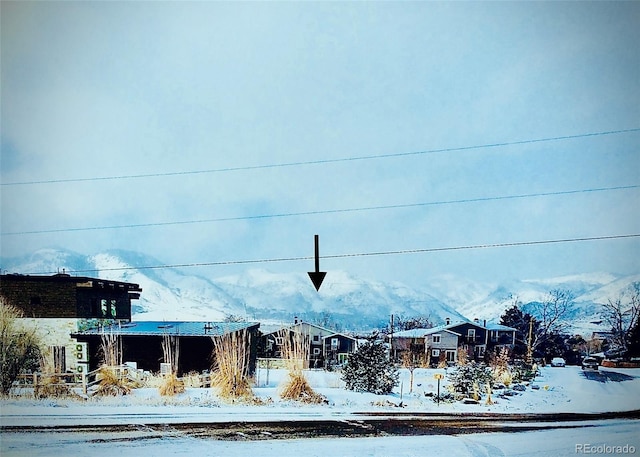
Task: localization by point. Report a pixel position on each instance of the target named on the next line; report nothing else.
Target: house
(314, 337)
(443, 342)
(60, 304)
(408, 341)
(337, 347)
(142, 342)
(73, 313)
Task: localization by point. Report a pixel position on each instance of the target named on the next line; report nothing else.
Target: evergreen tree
(514, 317)
(370, 370)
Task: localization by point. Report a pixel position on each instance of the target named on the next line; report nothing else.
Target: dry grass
(231, 368)
(295, 351)
(49, 385)
(112, 384)
(171, 386)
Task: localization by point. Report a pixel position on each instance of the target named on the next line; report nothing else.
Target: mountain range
(344, 302)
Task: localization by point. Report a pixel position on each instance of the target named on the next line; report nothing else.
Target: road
(376, 436)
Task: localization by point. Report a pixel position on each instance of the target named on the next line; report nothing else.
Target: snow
(562, 390)
(557, 443)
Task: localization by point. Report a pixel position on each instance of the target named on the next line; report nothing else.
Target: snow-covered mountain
(344, 301)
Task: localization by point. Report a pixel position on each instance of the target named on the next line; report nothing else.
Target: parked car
(590, 363)
(558, 362)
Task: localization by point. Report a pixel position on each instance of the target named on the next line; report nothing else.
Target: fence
(86, 381)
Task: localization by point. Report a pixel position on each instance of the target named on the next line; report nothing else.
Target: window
(316, 338)
(334, 343)
(451, 356)
(436, 338)
(113, 308)
(435, 353)
(279, 340)
(316, 351)
(471, 334)
(103, 307)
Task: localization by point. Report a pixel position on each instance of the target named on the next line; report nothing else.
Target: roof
(439, 329)
(83, 281)
(293, 327)
(333, 335)
(413, 333)
(161, 328)
(499, 327)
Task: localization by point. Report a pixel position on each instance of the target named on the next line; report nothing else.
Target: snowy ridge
(345, 301)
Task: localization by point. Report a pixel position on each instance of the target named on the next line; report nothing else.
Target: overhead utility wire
(327, 211)
(319, 161)
(361, 254)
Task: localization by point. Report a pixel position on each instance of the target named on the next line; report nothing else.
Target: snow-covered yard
(560, 390)
(567, 389)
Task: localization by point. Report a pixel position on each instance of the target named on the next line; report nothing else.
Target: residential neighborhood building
(142, 343)
(59, 305)
(323, 345)
(442, 343)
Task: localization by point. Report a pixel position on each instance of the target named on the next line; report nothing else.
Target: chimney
(447, 321)
(295, 320)
(484, 323)
(476, 320)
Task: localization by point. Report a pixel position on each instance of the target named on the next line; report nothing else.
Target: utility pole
(529, 342)
(391, 339)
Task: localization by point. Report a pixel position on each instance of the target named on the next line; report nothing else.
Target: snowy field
(567, 389)
(560, 390)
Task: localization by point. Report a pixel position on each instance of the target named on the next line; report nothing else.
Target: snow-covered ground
(567, 389)
(560, 390)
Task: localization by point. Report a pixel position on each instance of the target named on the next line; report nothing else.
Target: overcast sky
(340, 93)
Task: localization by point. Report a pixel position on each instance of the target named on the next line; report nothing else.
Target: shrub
(469, 379)
(19, 347)
(369, 369)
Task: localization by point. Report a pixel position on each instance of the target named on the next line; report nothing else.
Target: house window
(435, 353)
(334, 343)
(436, 338)
(113, 308)
(451, 356)
(471, 334)
(279, 340)
(316, 338)
(103, 307)
(316, 351)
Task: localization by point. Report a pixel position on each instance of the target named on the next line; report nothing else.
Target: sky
(218, 132)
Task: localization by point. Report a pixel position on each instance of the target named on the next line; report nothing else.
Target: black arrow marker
(317, 276)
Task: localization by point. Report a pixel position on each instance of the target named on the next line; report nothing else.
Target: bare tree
(622, 315)
(552, 317)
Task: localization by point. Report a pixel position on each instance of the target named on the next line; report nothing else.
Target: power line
(327, 211)
(361, 254)
(319, 161)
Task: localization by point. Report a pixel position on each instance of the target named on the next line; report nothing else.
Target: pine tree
(370, 370)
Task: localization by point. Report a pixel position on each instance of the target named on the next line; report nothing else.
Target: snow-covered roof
(499, 327)
(413, 333)
(160, 328)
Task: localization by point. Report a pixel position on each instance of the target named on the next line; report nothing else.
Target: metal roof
(161, 328)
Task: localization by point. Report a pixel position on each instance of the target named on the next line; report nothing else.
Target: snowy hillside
(344, 301)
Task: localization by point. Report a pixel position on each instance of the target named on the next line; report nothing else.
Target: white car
(558, 362)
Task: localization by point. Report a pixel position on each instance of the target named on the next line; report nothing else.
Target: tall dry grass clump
(231, 365)
(112, 381)
(295, 352)
(50, 384)
(19, 346)
(171, 385)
